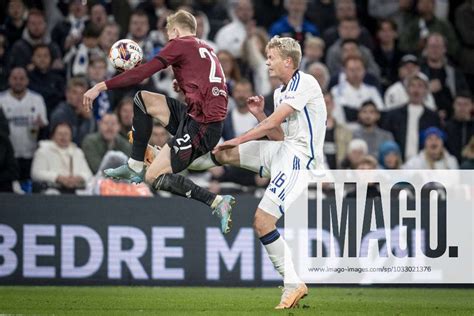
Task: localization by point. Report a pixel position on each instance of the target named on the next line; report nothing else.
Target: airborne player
(196, 124)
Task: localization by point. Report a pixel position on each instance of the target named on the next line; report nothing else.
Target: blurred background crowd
(397, 76)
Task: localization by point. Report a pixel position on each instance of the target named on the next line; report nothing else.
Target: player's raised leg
(147, 105)
(266, 216)
(159, 175)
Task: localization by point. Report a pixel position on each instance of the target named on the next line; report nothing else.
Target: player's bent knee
(228, 157)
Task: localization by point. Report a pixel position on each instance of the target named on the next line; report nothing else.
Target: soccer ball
(125, 54)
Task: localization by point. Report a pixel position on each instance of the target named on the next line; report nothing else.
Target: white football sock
(203, 162)
(135, 165)
(276, 253)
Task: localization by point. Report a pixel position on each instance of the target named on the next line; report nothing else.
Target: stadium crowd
(398, 77)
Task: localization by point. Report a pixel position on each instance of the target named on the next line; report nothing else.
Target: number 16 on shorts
(276, 184)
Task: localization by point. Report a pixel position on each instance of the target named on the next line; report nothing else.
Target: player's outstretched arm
(91, 95)
(125, 79)
(256, 105)
(261, 130)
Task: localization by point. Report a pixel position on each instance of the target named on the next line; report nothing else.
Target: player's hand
(226, 145)
(176, 87)
(89, 98)
(256, 104)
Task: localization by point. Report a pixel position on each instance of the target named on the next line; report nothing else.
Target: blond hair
(182, 19)
(287, 47)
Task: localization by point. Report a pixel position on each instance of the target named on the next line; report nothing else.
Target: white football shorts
(281, 163)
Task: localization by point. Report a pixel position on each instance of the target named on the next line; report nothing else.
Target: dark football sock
(142, 128)
(179, 185)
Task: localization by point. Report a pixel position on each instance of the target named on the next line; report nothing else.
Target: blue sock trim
(270, 237)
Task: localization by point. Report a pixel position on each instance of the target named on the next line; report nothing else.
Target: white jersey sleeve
(305, 128)
(300, 91)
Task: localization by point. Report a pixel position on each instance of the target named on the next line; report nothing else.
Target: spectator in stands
(4, 125)
(445, 80)
(313, 52)
(396, 95)
(399, 11)
(138, 31)
(357, 150)
(217, 12)
(34, 34)
(203, 28)
(254, 56)
(269, 103)
(77, 59)
(96, 145)
(44, 80)
(468, 155)
(346, 10)
(337, 136)
(322, 13)
(3, 61)
(239, 119)
(346, 47)
(460, 128)
(383, 9)
(159, 135)
(390, 156)
(367, 162)
(319, 71)
(68, 32)
(156, 10)
(387, 54)
(124, 111)
(72, 111)
(351, 93)
(267, 12)
(368, 130)
(59, 163)
(231, 68)
(97, 72)
(464, 17)
(15, 21)
(26, 114)
(408, 121)
(434, 155)
(420, 26)
(108, 36)
(98, 16)
(294, 24)
(231, 36)
(8, 165)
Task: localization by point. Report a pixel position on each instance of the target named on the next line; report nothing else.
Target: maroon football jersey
(200, 77)
(198, 72)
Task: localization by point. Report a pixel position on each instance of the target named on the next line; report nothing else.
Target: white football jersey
(306, 127)
(22, 116)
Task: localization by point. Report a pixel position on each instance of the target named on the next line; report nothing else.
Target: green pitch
(231, 301)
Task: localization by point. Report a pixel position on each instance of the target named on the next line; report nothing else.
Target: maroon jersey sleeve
(136, 75)
(171, 53)
(168, 55)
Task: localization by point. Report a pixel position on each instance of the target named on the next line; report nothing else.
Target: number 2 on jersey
(212, 56)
